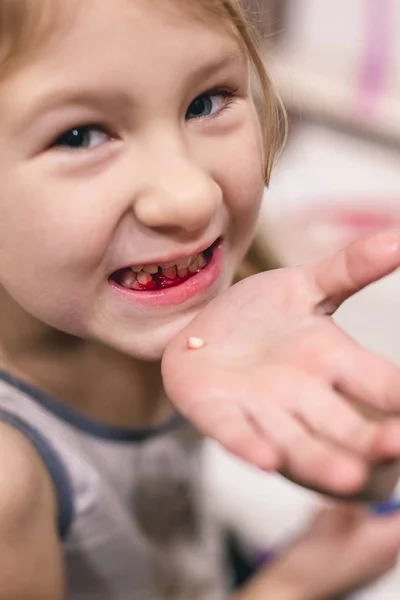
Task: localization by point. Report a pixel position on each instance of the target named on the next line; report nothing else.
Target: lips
(152, 277)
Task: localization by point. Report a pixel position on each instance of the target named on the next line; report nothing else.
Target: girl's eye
(81, 138)
(207, 105)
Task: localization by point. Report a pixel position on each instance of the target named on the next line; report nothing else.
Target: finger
(353, 268)
(337, 518)
(383, 531)
(329, 416)
(225, 422)
(373, 382)
(370, 378)
(307, 459)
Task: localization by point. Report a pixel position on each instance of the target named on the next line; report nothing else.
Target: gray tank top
(132, 514)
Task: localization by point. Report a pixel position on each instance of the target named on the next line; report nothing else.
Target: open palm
(277, 380)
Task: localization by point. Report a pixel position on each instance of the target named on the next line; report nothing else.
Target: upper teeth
(182, 263)
(152, 269)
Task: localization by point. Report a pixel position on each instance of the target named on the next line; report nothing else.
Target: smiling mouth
(149, 278)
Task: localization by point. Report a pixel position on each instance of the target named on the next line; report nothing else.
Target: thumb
(338, 277)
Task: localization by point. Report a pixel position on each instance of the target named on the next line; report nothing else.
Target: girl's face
(129, 139)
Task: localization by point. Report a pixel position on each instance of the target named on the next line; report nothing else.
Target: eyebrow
(72, 96)
(118, 100)
(237, 55)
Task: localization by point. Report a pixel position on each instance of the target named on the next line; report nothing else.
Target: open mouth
(149, 278)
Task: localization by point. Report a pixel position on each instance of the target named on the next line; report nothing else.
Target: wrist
(300, 576)
(274, 582)
(286, 584)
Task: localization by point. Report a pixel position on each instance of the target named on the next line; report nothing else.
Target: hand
(274, 377)
(344, 548)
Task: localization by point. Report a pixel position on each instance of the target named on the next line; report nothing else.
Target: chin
(146, 338)
(150, 344)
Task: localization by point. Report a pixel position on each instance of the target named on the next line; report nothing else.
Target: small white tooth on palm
(195, 343)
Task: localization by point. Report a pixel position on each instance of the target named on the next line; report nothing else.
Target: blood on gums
(160, 282)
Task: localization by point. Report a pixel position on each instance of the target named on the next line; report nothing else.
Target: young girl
(131, 174)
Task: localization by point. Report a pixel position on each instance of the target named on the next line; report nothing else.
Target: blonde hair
(272, 112)
(22, 25)
(261, 256)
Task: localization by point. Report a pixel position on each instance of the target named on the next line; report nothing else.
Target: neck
(91, 378)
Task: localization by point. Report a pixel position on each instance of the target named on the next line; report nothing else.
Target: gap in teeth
(141, 276)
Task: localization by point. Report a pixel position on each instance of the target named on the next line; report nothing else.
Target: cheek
(47, 253)
(32, 273)
(54, 225)
(242, 175)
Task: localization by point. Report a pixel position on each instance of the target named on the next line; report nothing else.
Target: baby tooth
(193, 259)
(169, 272)
(152, 269)
(144, 278)
(170, 264)
(135, 285)
(201, 261)
(195, 343)
(182, 272)
(137, 269)
(183, 263)
(127, 279)
(193, 268)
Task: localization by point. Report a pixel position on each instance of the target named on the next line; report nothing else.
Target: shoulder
(28, 533)
(25, 486)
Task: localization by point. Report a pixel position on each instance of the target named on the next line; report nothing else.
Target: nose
(180, 197)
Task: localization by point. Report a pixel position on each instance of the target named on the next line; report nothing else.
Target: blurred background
(336, 64)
